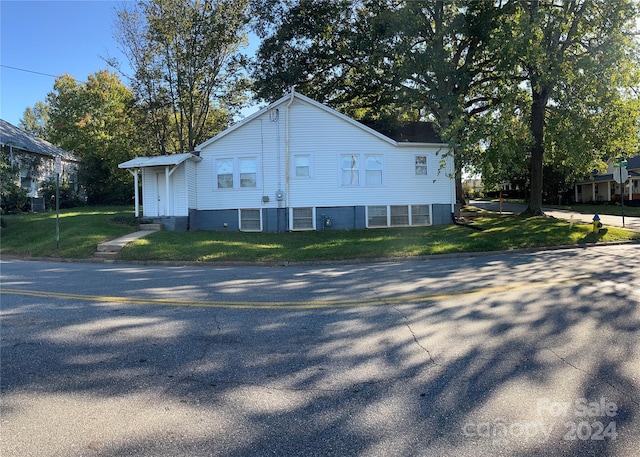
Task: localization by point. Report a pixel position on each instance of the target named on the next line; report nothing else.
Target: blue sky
(51, 37)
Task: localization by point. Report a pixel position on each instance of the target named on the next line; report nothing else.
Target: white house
(35, 161)
(298, 165)
(602, 187)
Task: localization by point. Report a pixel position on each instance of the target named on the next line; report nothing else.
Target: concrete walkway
(630, 222)
(110, 249)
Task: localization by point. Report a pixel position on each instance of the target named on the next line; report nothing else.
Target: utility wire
(29, 71)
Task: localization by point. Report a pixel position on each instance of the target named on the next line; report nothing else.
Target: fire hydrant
(596, 224)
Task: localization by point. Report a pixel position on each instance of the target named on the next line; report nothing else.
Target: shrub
(13, 199)
(68, 197)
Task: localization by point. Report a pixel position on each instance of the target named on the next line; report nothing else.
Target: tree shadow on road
(476, 374)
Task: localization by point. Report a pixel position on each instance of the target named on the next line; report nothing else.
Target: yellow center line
(311, 304)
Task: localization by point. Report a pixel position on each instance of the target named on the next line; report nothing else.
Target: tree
(570, 58)
(35, 120)
(187, 77)
(385, 61)
(95, 120)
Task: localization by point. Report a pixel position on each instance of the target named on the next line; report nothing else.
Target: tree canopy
(187, 77)
(94, 120)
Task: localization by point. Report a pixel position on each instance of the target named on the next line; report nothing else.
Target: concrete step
(106, 254)
(151, 227)
(109, 247)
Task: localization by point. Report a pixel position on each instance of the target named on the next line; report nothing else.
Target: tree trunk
(537, 152)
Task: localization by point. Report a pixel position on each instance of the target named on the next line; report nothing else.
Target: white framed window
(250, 220)
(361, 170)
(377, 216)
(302, 218)
(373, 169)
(248, 167)
(350, 164)
(224, 172)
(302, 166)
(421, 168)
(420, 215)
(237, 172)
(399, 215)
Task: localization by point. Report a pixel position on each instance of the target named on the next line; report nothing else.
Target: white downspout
(286, 147)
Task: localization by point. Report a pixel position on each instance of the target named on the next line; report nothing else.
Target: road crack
(415, 337)
(593, 375)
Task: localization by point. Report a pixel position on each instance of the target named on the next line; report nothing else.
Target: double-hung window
(302, 166)
(361, 170)
(224, 170)
(236, 172)
(248, 171)
(350, 169)
(373, 169)
(421, 165)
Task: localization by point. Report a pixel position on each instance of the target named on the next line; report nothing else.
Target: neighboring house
(603, 187)
(35, 160)
(299, 165)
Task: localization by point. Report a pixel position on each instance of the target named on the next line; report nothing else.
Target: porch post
(575, 192)
(166, 188)
(593, 192)
(135, 191)
(609, 191)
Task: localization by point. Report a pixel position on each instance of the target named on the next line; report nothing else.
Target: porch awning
(159, 161)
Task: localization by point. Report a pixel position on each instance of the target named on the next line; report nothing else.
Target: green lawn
(81, 230)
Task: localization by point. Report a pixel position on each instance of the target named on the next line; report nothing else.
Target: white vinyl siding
(250, 220)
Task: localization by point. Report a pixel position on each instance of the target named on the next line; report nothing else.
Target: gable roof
(287, 99)
(159, 161)
(20, 139)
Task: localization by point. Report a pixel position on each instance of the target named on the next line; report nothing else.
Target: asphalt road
(514, 354)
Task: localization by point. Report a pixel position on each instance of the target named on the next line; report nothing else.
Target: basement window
(250, 220)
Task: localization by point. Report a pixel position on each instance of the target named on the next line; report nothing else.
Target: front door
(162, 194)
